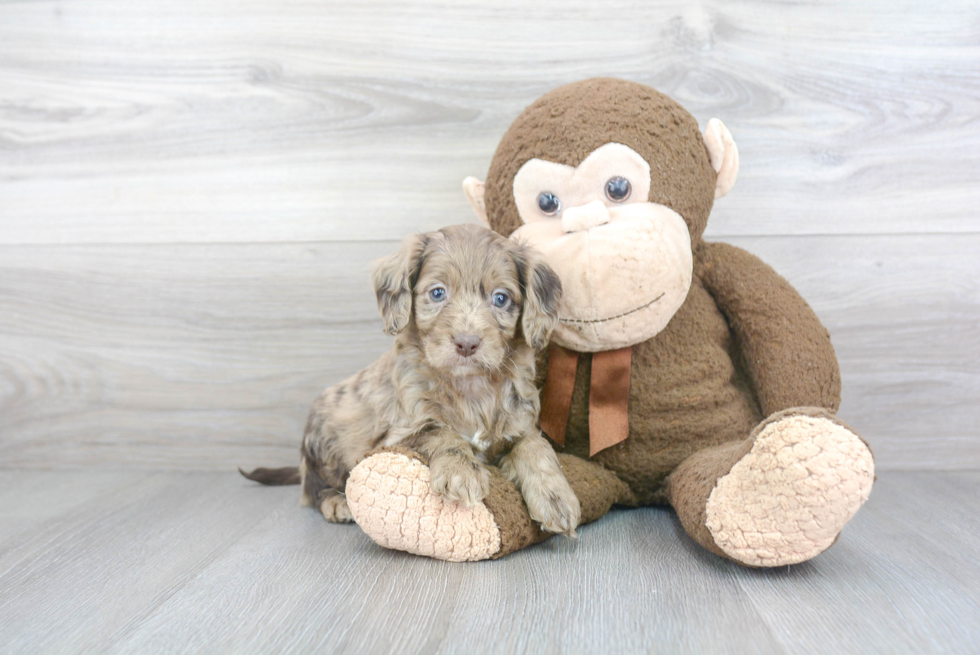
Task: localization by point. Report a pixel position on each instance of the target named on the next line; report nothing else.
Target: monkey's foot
(788, 498)
(391, 498)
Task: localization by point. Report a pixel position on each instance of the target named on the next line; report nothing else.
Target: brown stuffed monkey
(682, 372)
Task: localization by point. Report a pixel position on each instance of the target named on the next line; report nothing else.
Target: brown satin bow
(608, 396)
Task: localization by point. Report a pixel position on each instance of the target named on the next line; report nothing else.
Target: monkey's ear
(542, 296)
(473, 188)
(393, 278)
(724, 155)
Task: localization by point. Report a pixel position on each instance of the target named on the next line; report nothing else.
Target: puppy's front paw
(459, 479)
(553, 504)
(334, 509)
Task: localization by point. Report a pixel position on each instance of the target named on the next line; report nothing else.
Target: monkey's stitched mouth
(610, 318)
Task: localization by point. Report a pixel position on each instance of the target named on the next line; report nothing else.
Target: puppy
(469, 309)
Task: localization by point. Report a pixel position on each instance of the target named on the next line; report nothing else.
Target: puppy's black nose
(466, 344)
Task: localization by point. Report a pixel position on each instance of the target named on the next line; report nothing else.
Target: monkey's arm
(784, 347)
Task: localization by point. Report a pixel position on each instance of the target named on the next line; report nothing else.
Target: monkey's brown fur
(570, 122)
(460, 412)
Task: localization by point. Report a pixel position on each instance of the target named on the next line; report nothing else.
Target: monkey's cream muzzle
(623, 279)
(625, 266)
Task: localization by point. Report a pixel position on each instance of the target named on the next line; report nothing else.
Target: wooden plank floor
(205, 562)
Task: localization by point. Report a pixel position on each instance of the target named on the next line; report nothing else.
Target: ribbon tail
(609, 394)
(556, 398)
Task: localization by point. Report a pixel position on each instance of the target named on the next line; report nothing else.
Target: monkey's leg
(780, 497)
(390, 496)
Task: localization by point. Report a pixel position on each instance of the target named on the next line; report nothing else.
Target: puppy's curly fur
(469, 309)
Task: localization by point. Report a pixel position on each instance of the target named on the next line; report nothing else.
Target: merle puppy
(469, 309)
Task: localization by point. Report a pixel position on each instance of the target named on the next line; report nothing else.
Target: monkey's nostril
(466, 344)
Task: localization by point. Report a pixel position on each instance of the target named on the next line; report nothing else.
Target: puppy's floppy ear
(394, 278)
(542, 296)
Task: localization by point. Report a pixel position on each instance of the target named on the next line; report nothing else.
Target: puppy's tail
(274, 477)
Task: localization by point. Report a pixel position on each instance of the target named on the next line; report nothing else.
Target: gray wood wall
(191, 194)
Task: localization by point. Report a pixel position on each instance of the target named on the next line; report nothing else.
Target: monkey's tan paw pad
(390, 496)
(787, 499)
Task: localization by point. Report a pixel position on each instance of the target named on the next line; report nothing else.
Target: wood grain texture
(321, 120)
(124, 555)
(176, 356)
(208, 356)
(210, 563)
(190, 195)
(29, 498)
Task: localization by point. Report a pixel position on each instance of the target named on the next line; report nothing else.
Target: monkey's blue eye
(618, 189)
(500, 299)
(549, 203)
(438, 294)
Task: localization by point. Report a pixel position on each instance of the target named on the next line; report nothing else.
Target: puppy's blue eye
(548, 203)
(438, 294)
(500, 299)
